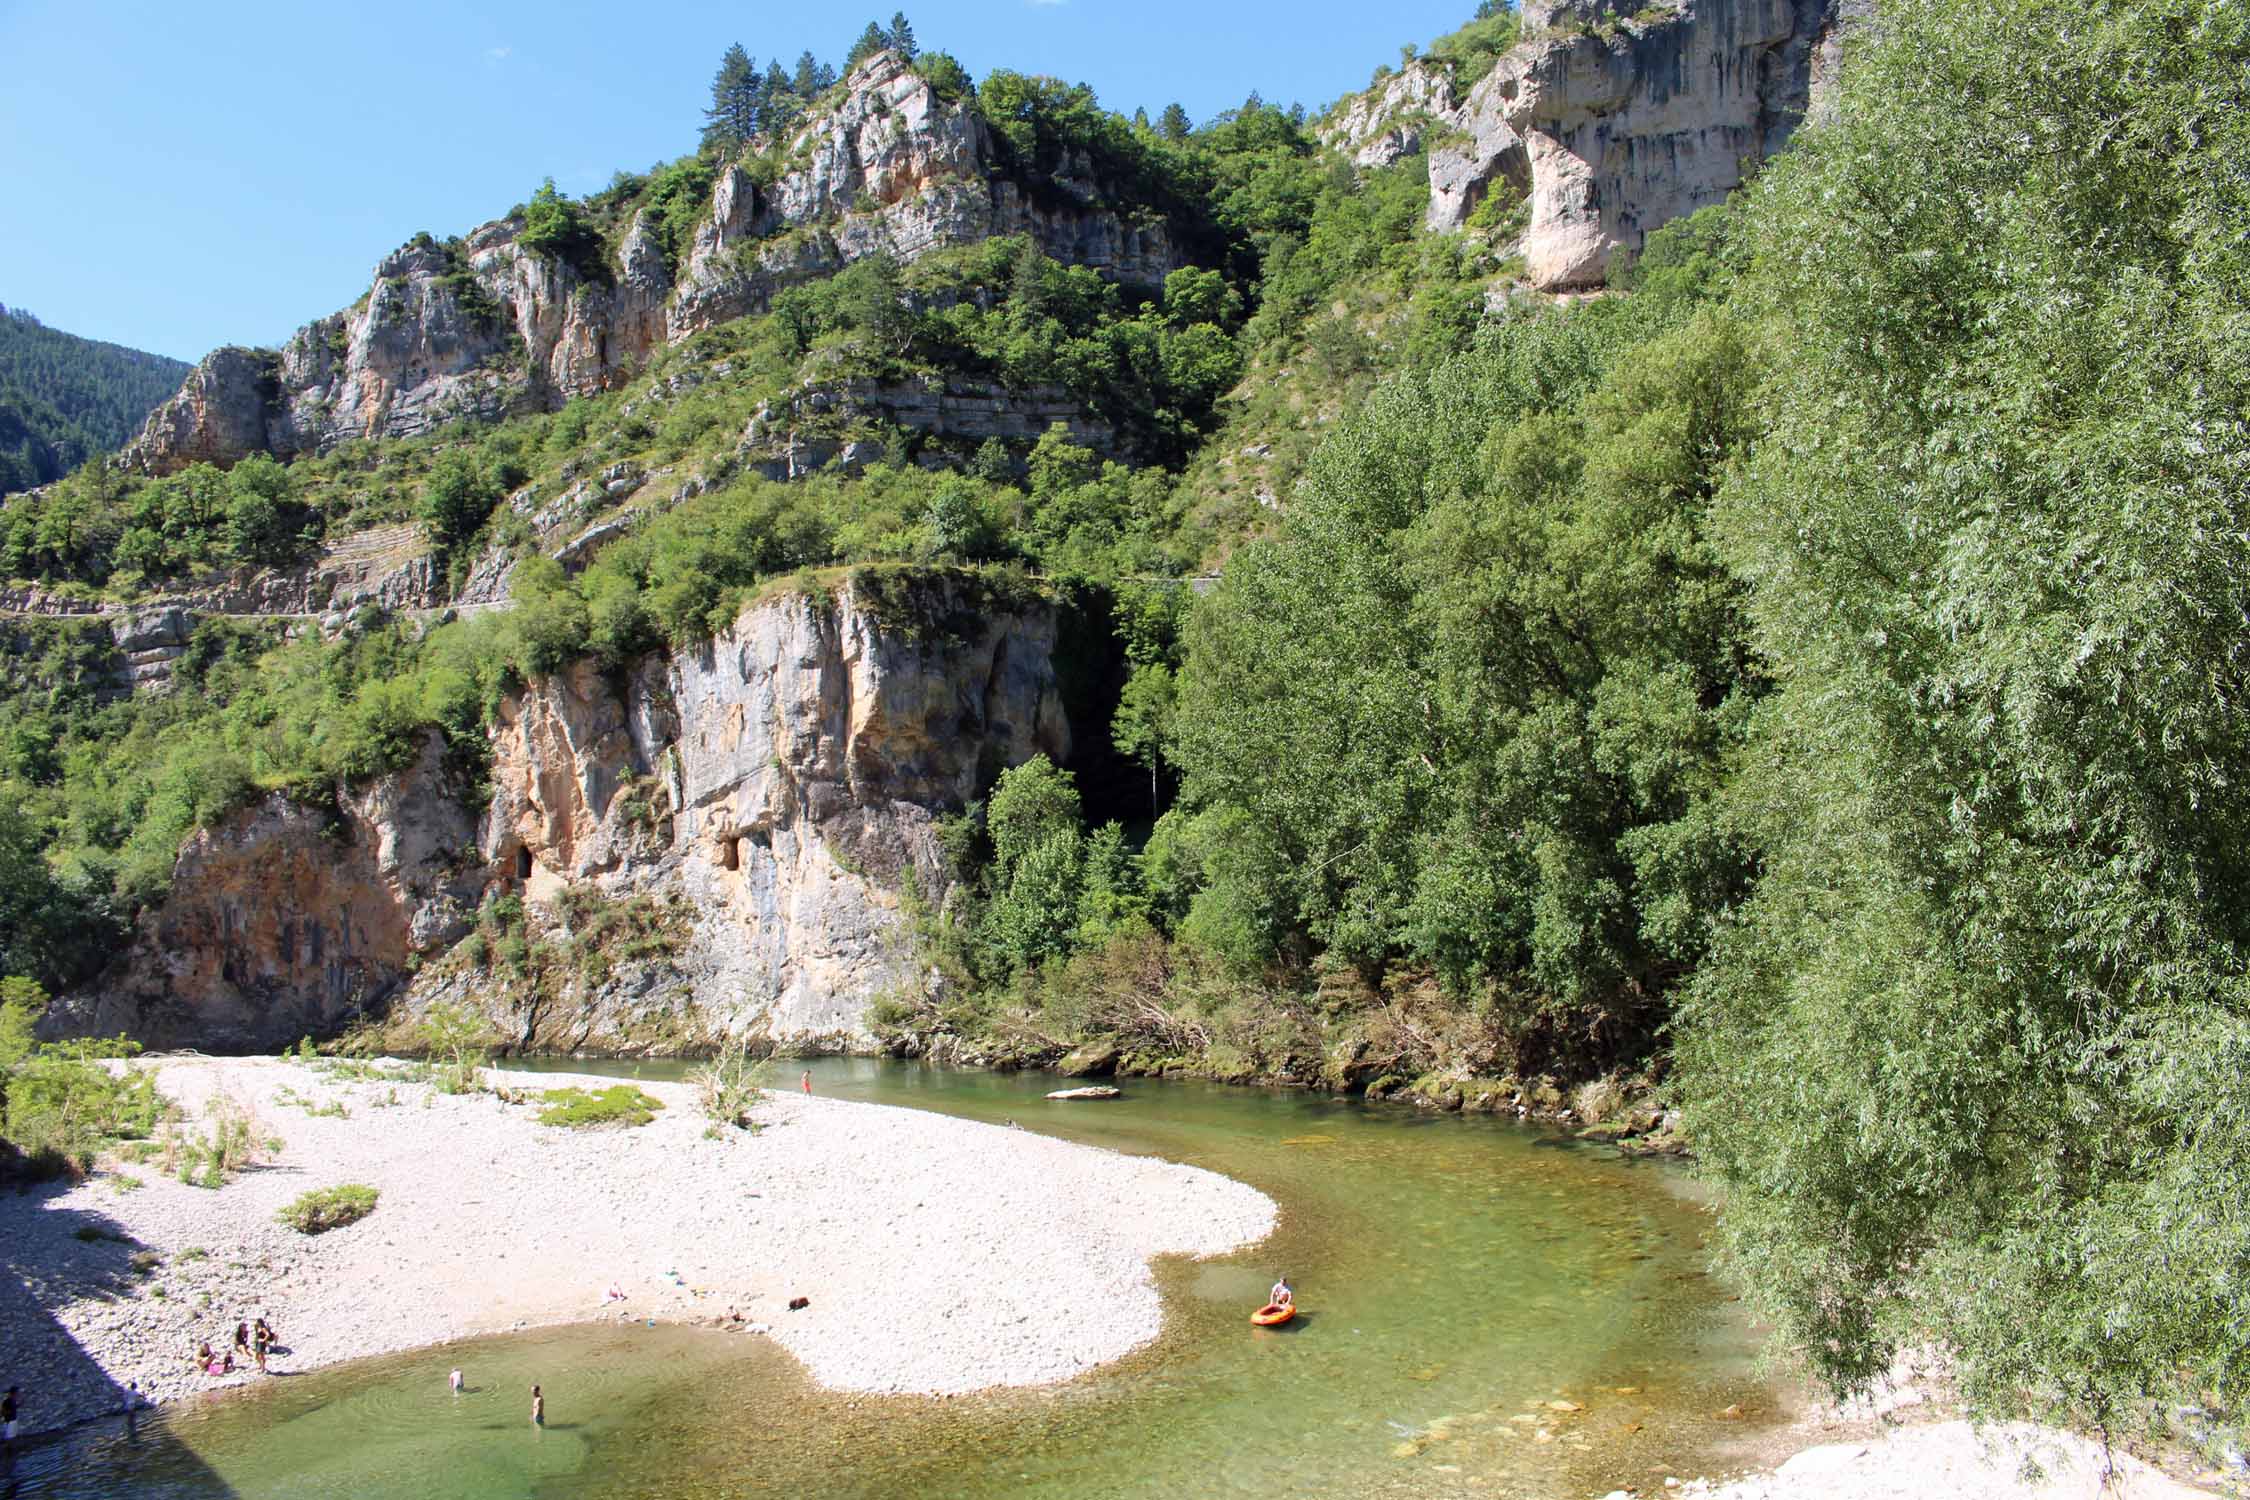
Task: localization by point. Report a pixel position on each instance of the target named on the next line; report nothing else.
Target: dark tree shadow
(50, 1257)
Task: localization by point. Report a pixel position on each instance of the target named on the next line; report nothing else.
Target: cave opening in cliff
(1090, 674)
(523, 864)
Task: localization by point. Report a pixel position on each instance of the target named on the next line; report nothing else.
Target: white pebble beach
(936, 1255)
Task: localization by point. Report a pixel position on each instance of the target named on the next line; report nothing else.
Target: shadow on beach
(52, 1257)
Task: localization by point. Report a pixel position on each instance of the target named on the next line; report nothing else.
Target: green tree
(871, 41)
(555, 226)
(52, 930)
(456, 499)
(1032, 819)
(1174, 124)
(1422, 700)
(945, 76)
(264, 522)
(900, 38)
(1143, 722)
(1971, 1064)
(737, 99)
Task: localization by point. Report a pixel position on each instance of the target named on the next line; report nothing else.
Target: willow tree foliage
(1974, 1063)
(1470, 707)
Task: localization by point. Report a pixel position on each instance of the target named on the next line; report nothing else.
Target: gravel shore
(936, 1255)
(2012, 1461)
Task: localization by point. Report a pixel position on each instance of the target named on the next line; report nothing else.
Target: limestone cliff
(1393, 117)
(1616, 118)
(1611, 118)
(764, 798)
(486, 325)
(290, 918)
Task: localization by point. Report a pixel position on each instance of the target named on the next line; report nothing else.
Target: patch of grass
(95, 1234)
(235, 1139)
(619, 1105)
(730, 1084)
(328, 1208)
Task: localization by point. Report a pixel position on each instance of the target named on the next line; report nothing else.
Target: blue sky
(177, 177)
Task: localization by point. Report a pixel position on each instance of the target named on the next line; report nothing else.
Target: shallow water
(1465, 1284)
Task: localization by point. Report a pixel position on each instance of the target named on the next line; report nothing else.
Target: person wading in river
(538, 1408)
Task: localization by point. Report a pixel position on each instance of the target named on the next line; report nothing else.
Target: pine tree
(871, 41)
(807, 80)
(1140, 120)
(735, 100)
(902, 35)
(825, 76)
(1174, 124)
(783, 104)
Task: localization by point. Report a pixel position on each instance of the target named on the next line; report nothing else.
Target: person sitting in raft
(1281, 1296)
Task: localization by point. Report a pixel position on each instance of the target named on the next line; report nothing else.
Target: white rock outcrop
(772, 792)
(799, 762)
(1615, 118)
(1611, 117)
(484, 326)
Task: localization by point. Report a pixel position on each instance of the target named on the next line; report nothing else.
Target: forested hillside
(64, 399)
(1805, 677)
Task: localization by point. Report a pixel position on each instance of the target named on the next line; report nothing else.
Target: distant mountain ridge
(64, 399)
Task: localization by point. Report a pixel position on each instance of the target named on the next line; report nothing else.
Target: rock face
(772, 793)
(226, 410)
(811, 428)
(1614, 118)
(1391, 119)
(485, 326)
(288, 919)
(785, 779)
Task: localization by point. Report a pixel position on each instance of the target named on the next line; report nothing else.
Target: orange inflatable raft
(1274, 1314)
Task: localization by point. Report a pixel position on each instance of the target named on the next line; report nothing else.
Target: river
(1490, 1310)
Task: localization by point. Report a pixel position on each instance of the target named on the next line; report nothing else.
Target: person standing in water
(538, 1408)
(1281, 1296)
(453, 1382)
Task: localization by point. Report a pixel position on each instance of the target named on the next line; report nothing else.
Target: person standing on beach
(538, 1408)
(8, 1415)
(807, 1080)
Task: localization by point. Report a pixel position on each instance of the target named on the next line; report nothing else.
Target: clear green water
(1458, 1276)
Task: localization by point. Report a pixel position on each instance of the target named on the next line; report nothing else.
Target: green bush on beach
(580, 1109)
(328, 1208)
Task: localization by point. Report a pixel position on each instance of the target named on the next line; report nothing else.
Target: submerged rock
(1091, 1091)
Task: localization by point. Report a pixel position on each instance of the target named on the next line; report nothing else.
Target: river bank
(2009, 1461)
(935, 1255)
